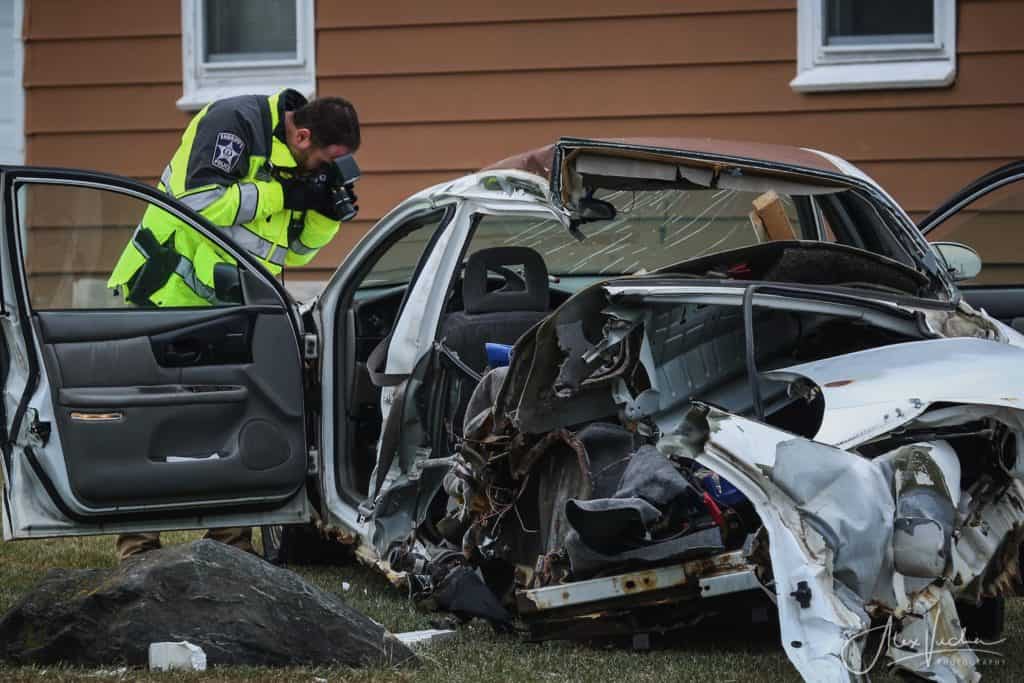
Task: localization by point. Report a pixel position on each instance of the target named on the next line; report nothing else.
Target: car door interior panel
(122, 323)
(165, 394)
(160, 408)
(220, 342)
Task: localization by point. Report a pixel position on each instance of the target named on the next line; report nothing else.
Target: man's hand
(317, 193)
(330, 174)
(301, 194)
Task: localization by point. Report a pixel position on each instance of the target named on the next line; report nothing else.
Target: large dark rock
(238, 608)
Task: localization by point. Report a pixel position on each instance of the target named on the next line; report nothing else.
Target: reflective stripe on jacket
(222, 170)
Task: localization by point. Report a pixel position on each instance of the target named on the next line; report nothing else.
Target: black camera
(340, 177)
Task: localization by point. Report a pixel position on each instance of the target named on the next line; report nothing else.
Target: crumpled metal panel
(816, 624)
(938, 625)
(871, 392)
(830, 516)
(828, 486)
(539, 160)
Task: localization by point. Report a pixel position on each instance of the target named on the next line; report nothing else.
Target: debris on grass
(180, 656)
(413, 639)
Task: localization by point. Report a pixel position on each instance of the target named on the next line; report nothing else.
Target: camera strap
(295, 226)
(161, 262)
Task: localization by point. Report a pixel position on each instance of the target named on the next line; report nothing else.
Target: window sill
(198, 98)
(876, 76)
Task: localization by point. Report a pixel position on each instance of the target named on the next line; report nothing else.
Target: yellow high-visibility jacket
(222, 169)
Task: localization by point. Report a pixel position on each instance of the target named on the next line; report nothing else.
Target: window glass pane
(397, 264)
(994, 226)
(247, 30)
(74, 236)
(653, 229)
(871, 22)
(303, 290)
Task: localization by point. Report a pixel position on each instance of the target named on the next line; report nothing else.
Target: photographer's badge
(227, 151)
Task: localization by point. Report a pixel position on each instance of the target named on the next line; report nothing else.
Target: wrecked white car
(739, 379)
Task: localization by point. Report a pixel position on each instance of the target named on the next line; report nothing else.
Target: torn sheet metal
(871, 392)
(828, 485)
(848, 537)
(967, 321)
(816, 624)
(920, 648)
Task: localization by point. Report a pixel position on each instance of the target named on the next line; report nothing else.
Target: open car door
(122, 418)
(988, 216)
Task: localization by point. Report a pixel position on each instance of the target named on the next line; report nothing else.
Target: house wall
(446, 87)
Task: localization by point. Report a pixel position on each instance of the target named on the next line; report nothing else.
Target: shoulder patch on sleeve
(227, 151)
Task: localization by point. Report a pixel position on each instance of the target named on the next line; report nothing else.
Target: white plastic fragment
(415, 638)
(181, 656)
(346, 586)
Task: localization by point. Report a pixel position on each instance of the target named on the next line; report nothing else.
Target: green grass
(475, 654)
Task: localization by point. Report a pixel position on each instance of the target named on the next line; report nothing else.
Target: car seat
(500, 316)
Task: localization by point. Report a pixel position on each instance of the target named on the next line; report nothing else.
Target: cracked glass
(652, 229)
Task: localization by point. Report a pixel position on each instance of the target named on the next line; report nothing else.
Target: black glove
(330, 173)
(301, 194)
(324, 203)
(340, 191)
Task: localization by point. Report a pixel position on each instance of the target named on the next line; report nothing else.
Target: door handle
(182, 352)
(181, 357)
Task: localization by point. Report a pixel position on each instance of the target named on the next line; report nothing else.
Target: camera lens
(344, 209)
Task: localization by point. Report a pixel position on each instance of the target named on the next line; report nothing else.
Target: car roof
(539, 160)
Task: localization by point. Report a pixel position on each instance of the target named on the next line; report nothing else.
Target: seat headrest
(511, 297)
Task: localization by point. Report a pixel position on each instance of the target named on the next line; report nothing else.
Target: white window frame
(17, 99)
(12, 151)
(204, 82)
(823, 67)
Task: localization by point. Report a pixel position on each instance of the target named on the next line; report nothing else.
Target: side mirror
(962, 262)
(591, 209)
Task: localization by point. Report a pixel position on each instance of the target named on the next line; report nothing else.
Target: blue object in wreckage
(719, 488)
(498, 355)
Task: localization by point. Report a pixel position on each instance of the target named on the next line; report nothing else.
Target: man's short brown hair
(331, 121)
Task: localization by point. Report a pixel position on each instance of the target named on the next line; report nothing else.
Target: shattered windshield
(652, 229)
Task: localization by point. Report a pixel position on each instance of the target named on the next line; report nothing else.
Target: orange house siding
(446, 87)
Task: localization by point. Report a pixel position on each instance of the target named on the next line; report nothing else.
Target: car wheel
(984, 621)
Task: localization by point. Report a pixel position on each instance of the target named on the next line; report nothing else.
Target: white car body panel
(417, 325)
(824, 637)
(811, 637)
(414, 330)
(857, 386)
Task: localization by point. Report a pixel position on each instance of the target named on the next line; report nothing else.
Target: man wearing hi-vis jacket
(260, 168)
